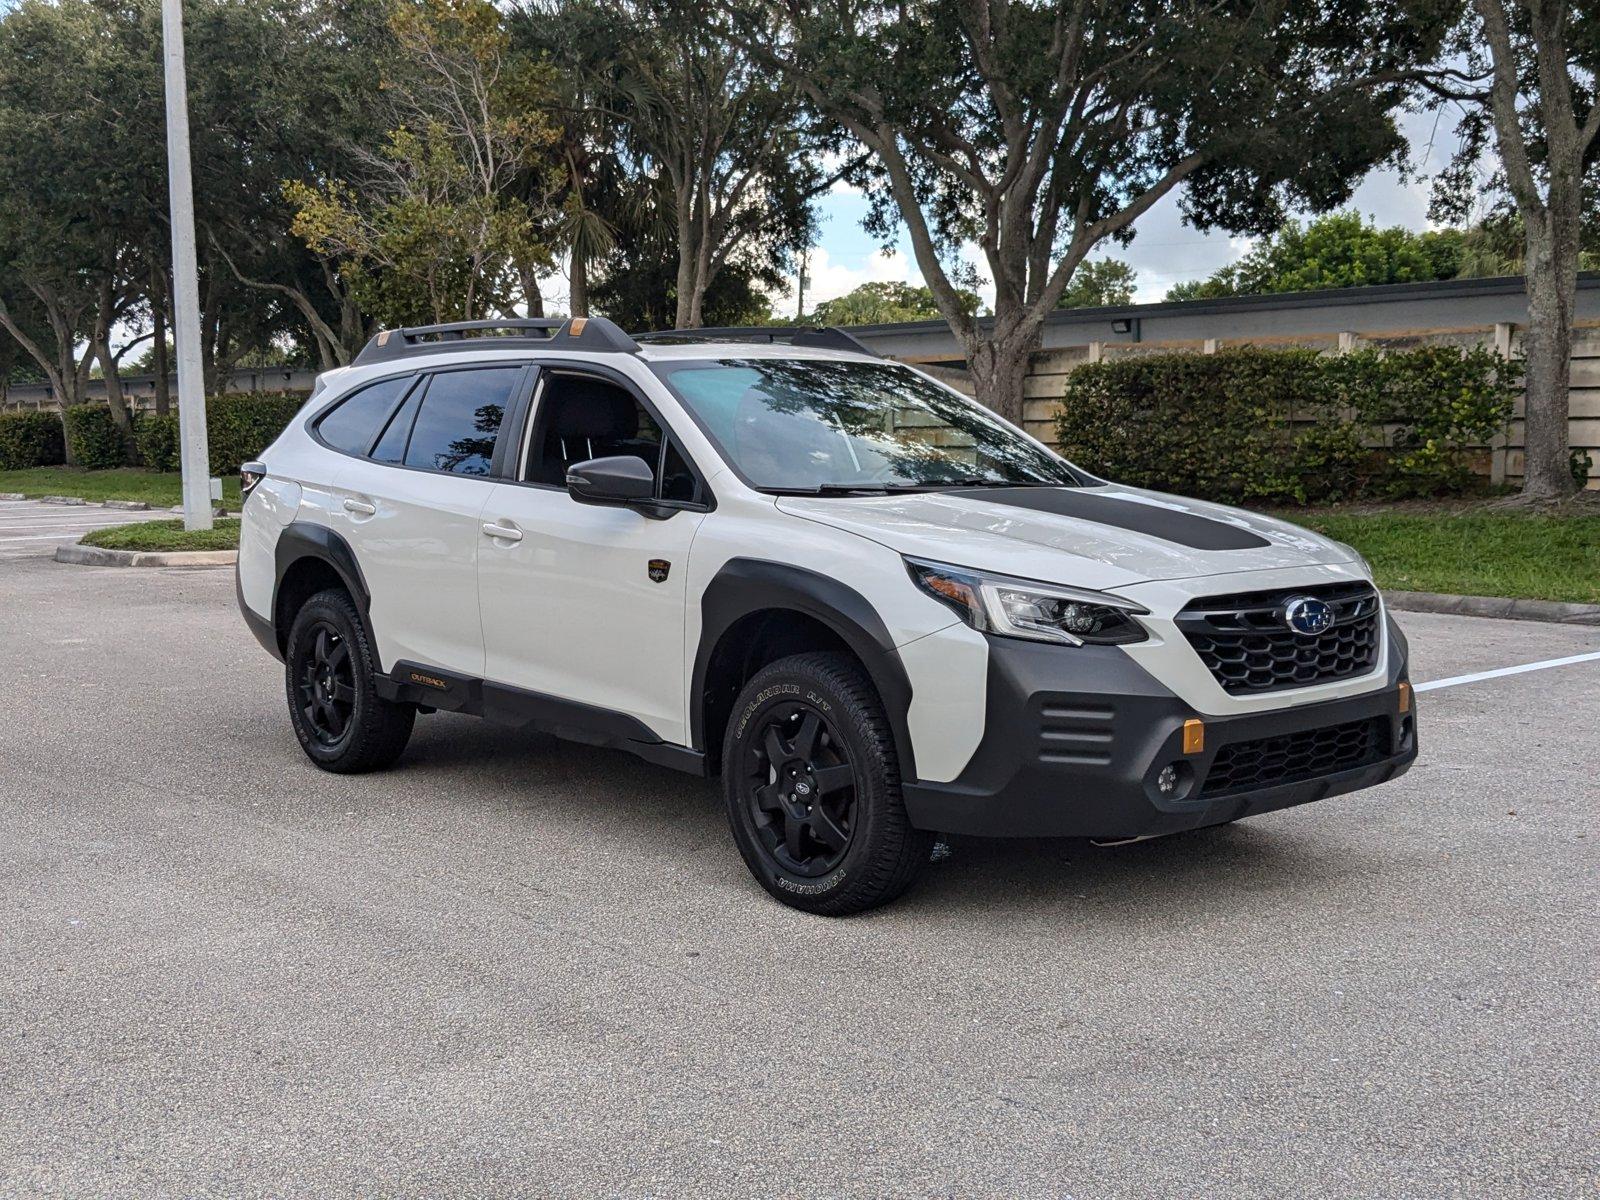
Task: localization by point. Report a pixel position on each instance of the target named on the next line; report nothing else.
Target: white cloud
(827, 279)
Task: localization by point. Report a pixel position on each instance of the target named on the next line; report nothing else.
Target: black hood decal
(1168, 524)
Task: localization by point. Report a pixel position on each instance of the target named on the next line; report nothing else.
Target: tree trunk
(686, 260)
(999, 365)
(1552, 283)
(158, 317)
(530, 290)
(580, 286)
(101, 348)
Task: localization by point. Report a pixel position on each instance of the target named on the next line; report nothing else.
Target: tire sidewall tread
(886, 852)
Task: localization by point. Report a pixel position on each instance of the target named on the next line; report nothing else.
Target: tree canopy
(1039, 130)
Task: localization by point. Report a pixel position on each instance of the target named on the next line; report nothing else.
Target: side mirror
(618, 479)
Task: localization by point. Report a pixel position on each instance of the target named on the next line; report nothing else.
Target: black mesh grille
(1296, 757)
(1246, 645)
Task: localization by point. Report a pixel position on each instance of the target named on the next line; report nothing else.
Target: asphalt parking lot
(514, 966)
(29, 528)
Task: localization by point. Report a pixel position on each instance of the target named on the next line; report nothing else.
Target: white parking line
(1543, 665)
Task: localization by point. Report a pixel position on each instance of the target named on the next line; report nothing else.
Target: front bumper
(1074, 742)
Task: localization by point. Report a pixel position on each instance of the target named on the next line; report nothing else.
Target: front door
(584, 602)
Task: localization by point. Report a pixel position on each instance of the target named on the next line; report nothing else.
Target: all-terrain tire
(330, 674)
(882, 853)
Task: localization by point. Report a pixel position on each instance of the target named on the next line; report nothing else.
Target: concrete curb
(1554, 611)
(94, 556)
(80, 502)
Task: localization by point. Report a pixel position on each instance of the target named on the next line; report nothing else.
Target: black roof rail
(501, 333)
(826, 337)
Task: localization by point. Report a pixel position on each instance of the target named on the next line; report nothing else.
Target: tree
(1341, 249)
(279, 90)
(735, 154)
(881, 303)
(1040, 129)
(65, 258)
(1527, 78)
(1098, 283)
(432, 226)
(638, 272)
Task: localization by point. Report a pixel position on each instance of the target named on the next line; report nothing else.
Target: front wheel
(812, 785)
(342, 723)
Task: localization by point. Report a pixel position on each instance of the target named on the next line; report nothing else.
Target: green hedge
(93, 439)
(155, 439)
(1288, 425)
(239, 426)
(30, 439)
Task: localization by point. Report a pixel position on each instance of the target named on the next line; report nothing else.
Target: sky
(1165, 251)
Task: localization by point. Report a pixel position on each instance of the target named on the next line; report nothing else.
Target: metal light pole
(194, 455)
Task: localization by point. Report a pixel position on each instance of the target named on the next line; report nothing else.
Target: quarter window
(355, 422)
(459, 419)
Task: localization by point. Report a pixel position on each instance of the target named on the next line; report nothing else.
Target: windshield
(813, 425)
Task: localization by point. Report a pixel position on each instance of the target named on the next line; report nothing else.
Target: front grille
(1246, 645)
(1296, 757)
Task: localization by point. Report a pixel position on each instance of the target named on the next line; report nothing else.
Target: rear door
(584, 602)
(410, 509)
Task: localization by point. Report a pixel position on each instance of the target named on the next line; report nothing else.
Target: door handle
(508, 533)
(360, 507)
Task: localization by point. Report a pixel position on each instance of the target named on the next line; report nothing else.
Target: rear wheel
(812, 786)
(342, 723)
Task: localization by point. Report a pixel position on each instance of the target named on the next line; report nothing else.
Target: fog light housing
(1167, 781)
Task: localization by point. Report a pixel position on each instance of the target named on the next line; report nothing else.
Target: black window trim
(530, 414)
(520, 390)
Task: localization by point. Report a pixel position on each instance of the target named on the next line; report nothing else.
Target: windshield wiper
(831, 489)
(936, 484)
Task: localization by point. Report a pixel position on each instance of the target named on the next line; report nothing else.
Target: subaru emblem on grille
(1308, 615)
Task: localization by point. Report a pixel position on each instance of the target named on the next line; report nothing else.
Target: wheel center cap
(803, 788)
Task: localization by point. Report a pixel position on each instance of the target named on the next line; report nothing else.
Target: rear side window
(355, 422)
(391, 447)
(460, 416)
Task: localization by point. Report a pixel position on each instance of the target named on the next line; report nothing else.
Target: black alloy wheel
(801, 790)
(327, 689)
(331, 683)
(811, 781)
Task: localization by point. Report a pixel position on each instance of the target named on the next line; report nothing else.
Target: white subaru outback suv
(876, 610)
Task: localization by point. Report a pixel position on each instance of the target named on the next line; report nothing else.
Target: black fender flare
(747, 585)
(305, 539)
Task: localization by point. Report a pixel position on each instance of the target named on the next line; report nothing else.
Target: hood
(1102, 537)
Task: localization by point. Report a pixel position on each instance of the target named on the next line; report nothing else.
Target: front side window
(808, 425)
(582, 417)
(459, 419)
(355, 422)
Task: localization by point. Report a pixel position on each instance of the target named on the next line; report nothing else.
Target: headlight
(1020, 608)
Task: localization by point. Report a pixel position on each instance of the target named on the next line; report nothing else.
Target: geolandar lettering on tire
(777, 689)
(810, 889)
